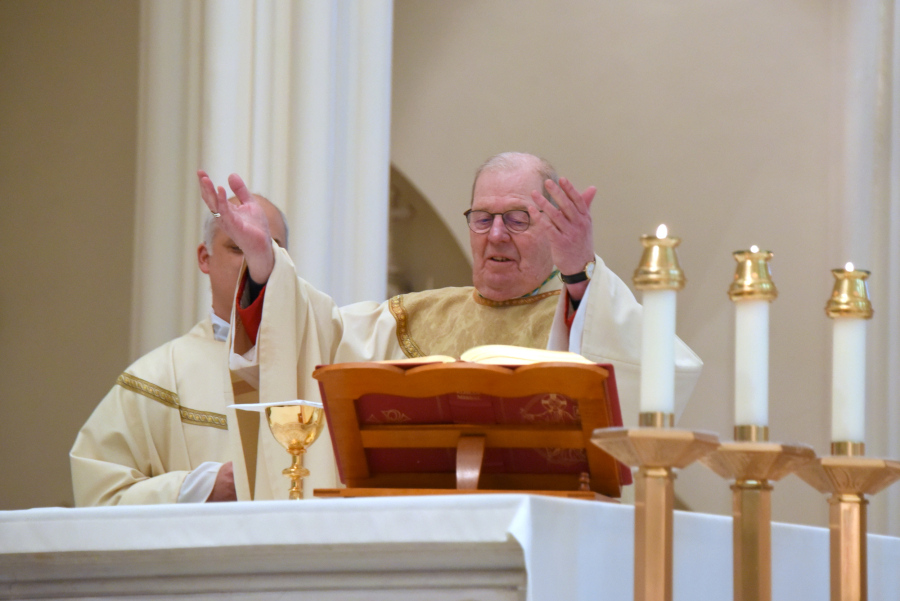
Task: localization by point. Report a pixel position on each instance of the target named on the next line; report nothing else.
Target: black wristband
(574, 278)
(253, 289)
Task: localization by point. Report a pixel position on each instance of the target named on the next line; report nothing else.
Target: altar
(477, 547)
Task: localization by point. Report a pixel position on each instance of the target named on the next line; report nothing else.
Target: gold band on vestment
(410, 348)
(170, 399)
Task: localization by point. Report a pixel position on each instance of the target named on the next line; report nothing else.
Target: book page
(500, 354)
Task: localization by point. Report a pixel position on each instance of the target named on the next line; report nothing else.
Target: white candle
(751, 363)
(658, 344)
(848, 378)
(658, 352)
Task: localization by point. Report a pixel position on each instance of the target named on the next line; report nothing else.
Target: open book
(498, 354)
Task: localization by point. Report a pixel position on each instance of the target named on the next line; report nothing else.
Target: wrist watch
(584, 274)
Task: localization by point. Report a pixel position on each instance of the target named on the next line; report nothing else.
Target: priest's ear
(203, 258)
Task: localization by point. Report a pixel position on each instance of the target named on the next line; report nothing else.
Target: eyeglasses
(516, 221)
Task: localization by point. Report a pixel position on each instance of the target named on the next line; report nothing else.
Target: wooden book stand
(463, 428)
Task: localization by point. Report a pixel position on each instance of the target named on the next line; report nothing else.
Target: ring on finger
(216, 215)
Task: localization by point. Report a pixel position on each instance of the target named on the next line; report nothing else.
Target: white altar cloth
(484, 547)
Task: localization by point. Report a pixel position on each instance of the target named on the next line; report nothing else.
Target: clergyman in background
(160, 435)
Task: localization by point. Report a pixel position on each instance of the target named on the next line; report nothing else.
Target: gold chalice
(295, 427)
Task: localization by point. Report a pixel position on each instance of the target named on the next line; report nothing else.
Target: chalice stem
(296, 473)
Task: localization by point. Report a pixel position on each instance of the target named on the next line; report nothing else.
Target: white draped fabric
(292, 94)
(443, 547)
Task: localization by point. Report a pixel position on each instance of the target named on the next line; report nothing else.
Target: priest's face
(507, 265)
(223, 261)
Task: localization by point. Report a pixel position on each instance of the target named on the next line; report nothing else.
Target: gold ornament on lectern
(296, 427)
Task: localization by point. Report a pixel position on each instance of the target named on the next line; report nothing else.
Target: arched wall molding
(292, 94)
(423, 253)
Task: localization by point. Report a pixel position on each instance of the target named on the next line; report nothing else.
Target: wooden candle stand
(848, 479)
(656, 452)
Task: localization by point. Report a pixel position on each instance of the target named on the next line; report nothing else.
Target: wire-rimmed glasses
(516, 221)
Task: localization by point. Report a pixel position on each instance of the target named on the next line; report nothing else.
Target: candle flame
(754, 249)
(662, 231)
(848, 266)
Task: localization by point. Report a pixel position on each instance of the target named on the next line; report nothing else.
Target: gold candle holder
(659, 268)
(850, 295)
(657, 452)
(752, 277)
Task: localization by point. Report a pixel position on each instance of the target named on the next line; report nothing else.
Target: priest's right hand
(244, 221)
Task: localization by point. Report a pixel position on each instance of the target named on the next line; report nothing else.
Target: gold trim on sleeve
(410, 348)
(203, 418)
(170, 399)
(148, 389)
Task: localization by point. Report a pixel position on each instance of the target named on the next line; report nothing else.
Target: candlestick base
(753, 465)
(848, 479)
(656, 452)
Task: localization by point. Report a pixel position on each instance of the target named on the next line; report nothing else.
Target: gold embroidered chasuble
(450, 321)
(302, 328)
(163, 418)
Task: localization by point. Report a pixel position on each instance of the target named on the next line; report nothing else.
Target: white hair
(511, 161)
(210, 226)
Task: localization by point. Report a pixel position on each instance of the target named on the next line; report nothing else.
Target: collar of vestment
(550, 287)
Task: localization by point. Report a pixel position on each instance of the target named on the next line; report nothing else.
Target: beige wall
(67, 121)
(711, 116)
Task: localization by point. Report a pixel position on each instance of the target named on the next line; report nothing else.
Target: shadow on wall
(422, 253)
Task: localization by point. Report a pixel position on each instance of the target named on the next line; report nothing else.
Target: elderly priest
(160, 434)
(537, 283)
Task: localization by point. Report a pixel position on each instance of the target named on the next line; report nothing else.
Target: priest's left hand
(223, 489)
(569, 228)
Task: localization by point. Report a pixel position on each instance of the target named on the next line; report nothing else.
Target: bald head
(508, 162)
(277, 223)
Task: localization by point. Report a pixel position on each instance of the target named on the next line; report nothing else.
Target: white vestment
(302, 328)
(164, 418)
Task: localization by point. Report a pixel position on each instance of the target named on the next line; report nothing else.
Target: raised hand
(244, 222)
(569, 227)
